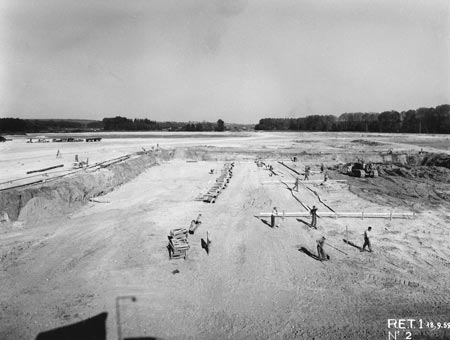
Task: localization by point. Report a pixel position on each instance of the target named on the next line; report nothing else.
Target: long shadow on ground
(205, 245)
(352, 244)
(265, 222)
(304, 222)
(309, 253)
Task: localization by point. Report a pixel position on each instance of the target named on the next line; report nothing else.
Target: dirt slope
(58, 197)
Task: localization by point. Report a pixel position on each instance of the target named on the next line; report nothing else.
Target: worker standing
(320, 252)
(313, 213)
(273, 216)
(367, 240)
(306, 173)
(297, 180)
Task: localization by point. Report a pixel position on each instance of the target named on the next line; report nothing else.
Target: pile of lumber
(221, 183)
(178, 243)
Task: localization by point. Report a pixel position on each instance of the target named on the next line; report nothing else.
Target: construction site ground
(256, 283)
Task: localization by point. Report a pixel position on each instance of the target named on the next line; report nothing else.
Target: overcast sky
(232, 59)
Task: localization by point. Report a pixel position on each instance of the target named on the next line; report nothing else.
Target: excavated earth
(421, 182)
(95, 243)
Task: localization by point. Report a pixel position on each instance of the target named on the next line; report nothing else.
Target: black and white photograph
(224, 169)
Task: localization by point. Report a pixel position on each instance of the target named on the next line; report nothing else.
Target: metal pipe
(119, 329)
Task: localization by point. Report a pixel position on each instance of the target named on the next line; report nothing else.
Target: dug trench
(36, 203)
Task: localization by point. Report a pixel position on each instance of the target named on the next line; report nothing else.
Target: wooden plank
(45, 169)
(98, 201)
(308, 181)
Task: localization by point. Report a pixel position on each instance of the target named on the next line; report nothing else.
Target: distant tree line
(125, 124)
(16, 125)
(422, 120)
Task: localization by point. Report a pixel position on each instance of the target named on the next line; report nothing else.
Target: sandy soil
(255, 283)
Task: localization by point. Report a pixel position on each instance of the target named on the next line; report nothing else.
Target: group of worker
(321, 255)
(308, 173)
(321, 241)
(274, 214)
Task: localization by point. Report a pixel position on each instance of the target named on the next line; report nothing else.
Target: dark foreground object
(90, 329)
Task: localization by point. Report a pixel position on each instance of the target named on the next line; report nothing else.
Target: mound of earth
(433, 159)
(419, 187)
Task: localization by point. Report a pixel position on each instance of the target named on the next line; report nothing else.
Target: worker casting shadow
(310, 254)
(304, 222)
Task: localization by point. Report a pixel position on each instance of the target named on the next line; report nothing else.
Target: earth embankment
(37, 202)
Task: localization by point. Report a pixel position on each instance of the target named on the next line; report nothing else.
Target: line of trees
(16, 125)
(422, 120)
(125, 124)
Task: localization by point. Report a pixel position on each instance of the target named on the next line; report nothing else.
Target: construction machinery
(361, 169)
